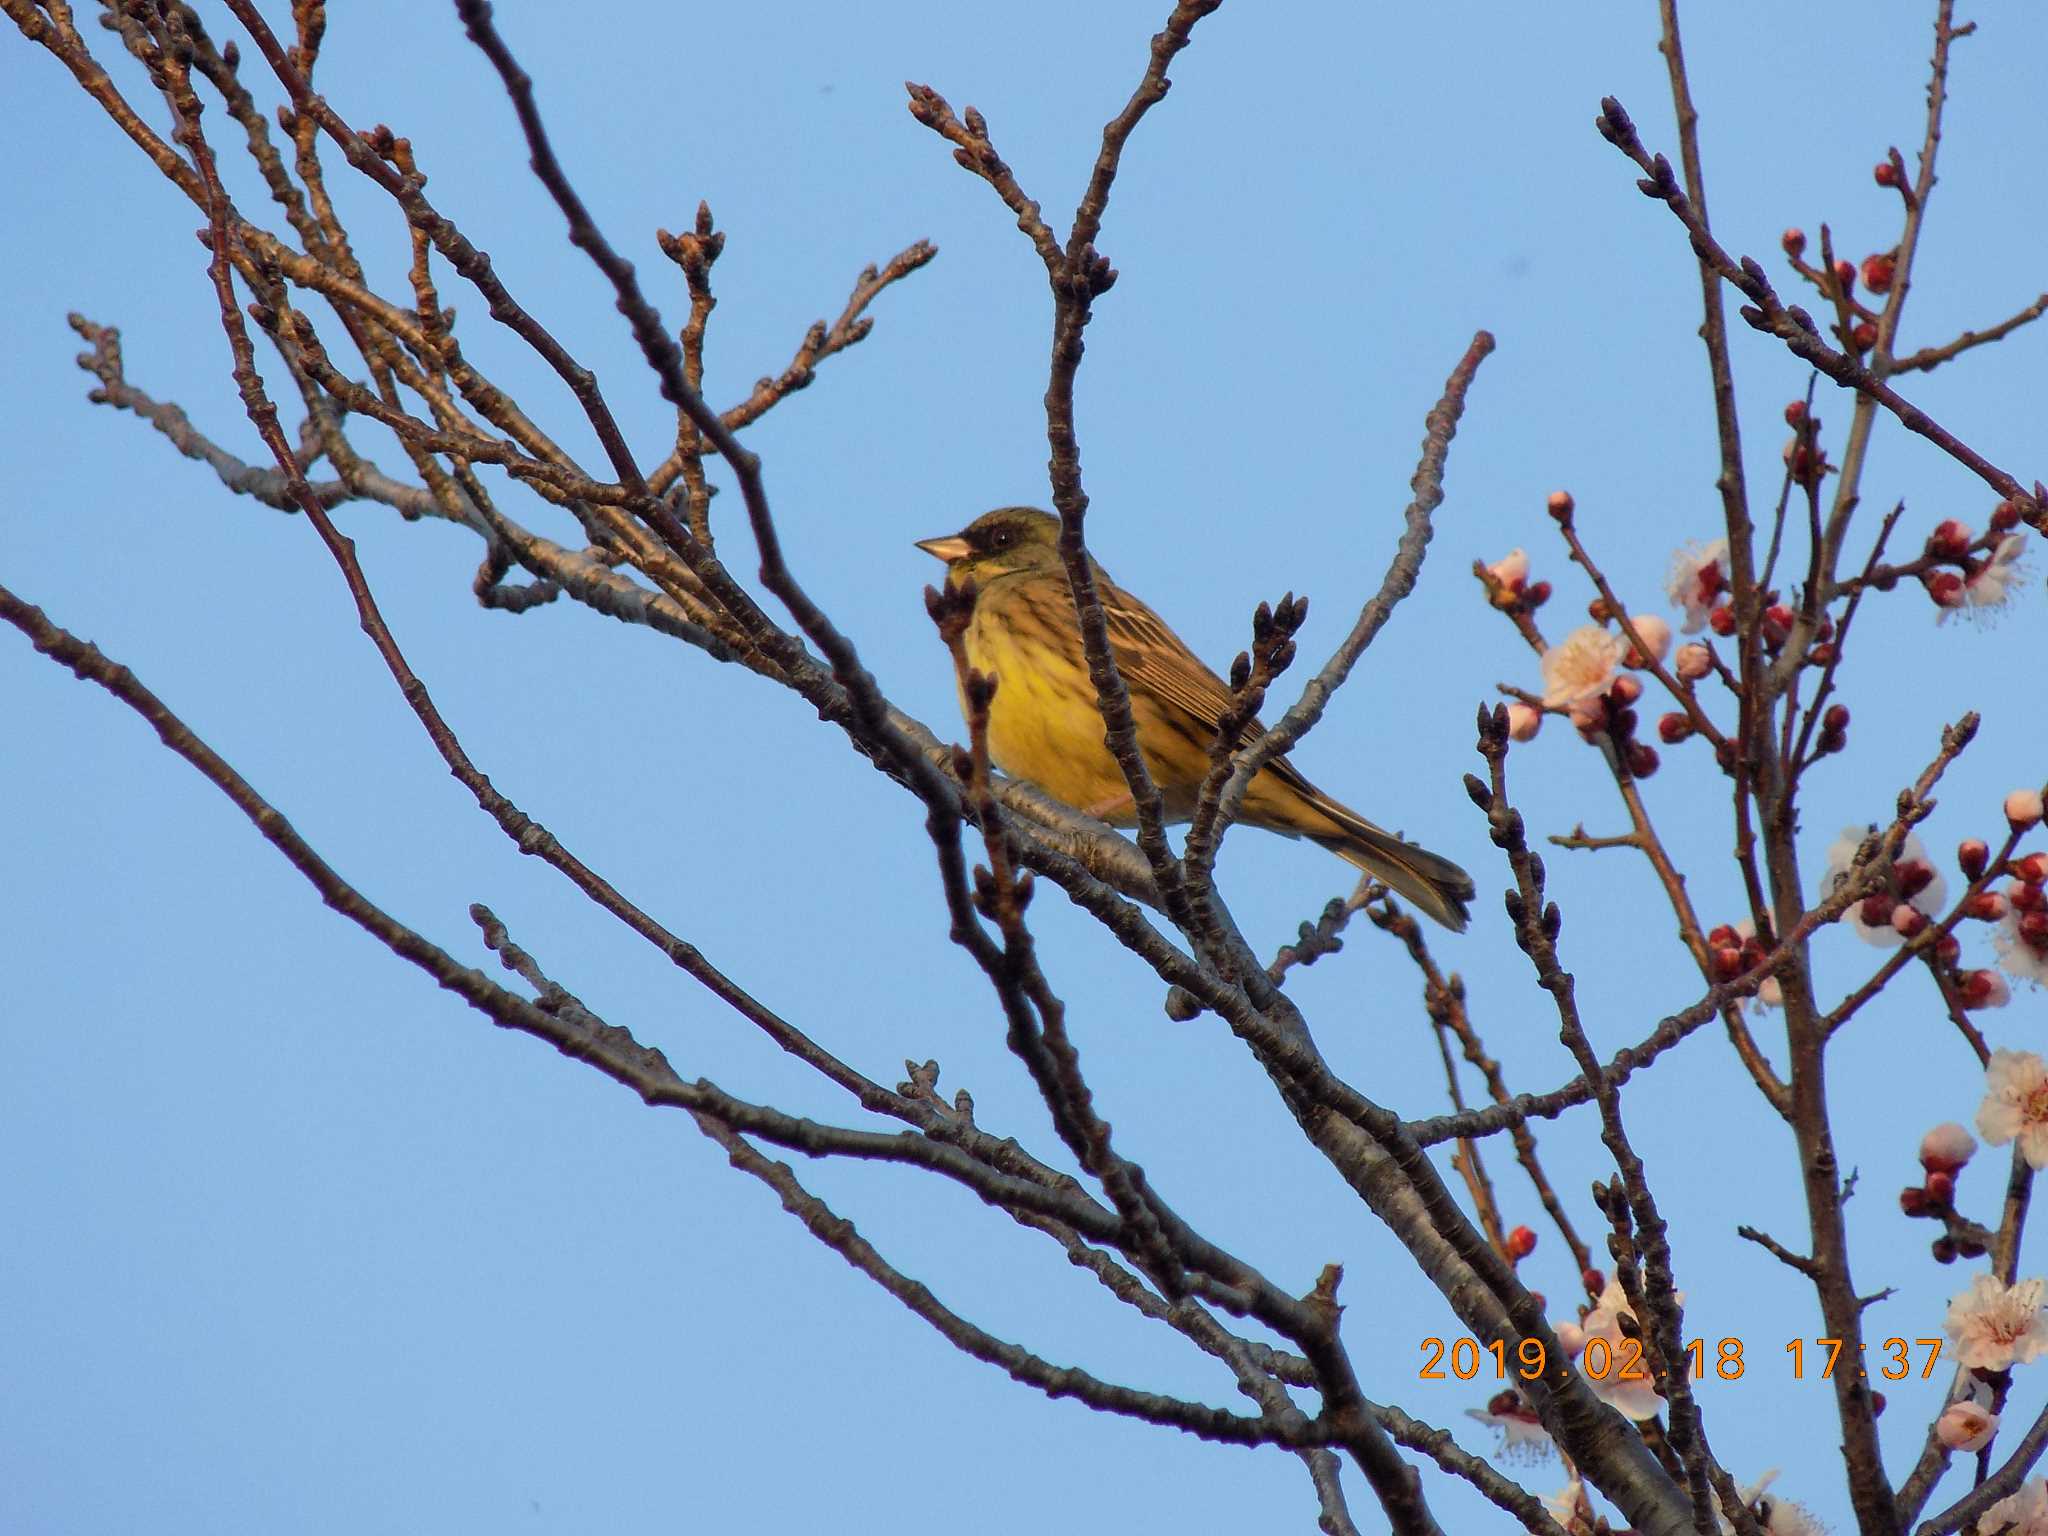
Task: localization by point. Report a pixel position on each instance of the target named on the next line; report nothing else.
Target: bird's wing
(1153, 658)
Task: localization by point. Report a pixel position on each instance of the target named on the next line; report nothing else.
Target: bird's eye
(1003, 538)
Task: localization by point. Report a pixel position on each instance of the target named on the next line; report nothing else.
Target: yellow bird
(1044, 725)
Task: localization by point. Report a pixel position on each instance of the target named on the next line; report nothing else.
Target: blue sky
(298, 1242)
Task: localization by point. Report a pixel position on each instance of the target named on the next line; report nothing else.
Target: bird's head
(1006, 542)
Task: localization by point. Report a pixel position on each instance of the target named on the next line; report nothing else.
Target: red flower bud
(1536, 594)
(1913, 1200)
(1721, 620)
(1521, 1243)
(1794, 241)
(1986, 906)
(1941, 1187)
(1914, 876)
(1723, 933)
(1945, 587)
(1625, 690)
(1673, 728)
(2027, 896)
(1876, 911)
(1863, 336)
(1950, 539)
(1907, 921)
(1972, 854)
(2033, 869)
(1948, 949)
(1642, 759)
(1593, 1281)
(1795, 413)
(1878, 272)
(1845, 273)
(1836, 720)
(1884, 174)
(1560, 505)
(2033, 927)
(2006, 516)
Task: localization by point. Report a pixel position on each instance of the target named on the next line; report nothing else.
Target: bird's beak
(950, 548)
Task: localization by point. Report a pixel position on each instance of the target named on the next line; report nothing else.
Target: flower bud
(2026, 896)
(1913, 1200)
(1672, 728)
(1966, 1426)
(1721, 620)
(1845, 273)
(2006, 516)
(1945, 587)
(1946, 1148)
(1524, 721)
(1863, 336)
(1642, 759)
(1536, 594)
(1914, 876)
(1656, 634)
(1694, 661)
(2023, 809)
(1511, 571)
(1560, 505)
(1884, 174)
(1876, 911)
(1625, 690)
(1972, 854)
(1878, 272)
(2033, 868)
(1985, 906)
(1594, 1281)
(1571, 1338)
(1795, 413)
(1521, 1243)
(1950, 539)
(1948, 949)
(1907, 921)
(1984, 989)
(1941, 1188)
(1794, 241)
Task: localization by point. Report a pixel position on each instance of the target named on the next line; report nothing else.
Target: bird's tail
(1433, 883)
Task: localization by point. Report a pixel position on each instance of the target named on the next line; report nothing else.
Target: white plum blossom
(1778, 1517)
(1699, 574)
(1994, 1325)
(1624, 1381)
(1580, 668)
(2021, 1514)
(1512, 571)
(1990, 584)
(1928, 900)
(2016, 954)
(2015, 1106)
(1522, 1435)
(1570, 1507)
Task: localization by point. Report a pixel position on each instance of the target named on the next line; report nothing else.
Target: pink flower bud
(1794, 241)
(1950, 539)
(1655, 634)
(2023, 808)
(1946, 1148)
(1972, 854)
(1945, 587)
(1571, 1338)
(2033, 868)
(1986, 906)
(1845, 273)
(1985, 989)
(1694, 662)
(1966, 1426)
(1560, 504)
(1511, 571)
(1907, 921)
(1625, 691)
(1524, 721)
